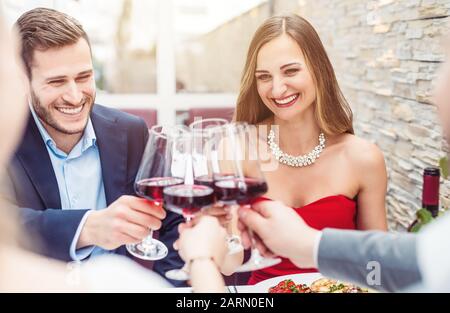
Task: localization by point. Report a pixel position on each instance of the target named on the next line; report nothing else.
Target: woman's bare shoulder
(360, 151)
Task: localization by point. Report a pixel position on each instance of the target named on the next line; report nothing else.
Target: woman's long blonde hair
(332, 111)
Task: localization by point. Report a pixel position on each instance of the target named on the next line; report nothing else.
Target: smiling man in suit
(74, 171)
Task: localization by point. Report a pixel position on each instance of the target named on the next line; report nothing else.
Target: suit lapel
(33, 156)
(112, 145)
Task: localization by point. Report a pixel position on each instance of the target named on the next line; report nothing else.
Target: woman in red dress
(330, 177)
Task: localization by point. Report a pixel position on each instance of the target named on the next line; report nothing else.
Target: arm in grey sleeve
(378, 260)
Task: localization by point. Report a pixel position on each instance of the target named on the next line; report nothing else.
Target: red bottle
(430, 190)
(430, 198)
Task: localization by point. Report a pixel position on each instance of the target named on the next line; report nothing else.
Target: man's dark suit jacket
(121, 139)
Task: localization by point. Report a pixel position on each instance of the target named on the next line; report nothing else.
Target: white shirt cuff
(316, 249)
(83, 253)
(432, 255)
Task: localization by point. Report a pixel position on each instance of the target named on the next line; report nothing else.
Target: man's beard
(46, 117)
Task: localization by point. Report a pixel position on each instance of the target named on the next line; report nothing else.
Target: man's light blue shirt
(80, 180)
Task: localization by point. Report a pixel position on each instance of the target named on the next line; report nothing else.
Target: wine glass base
(257, 263)
(178, 274)
(155, 251)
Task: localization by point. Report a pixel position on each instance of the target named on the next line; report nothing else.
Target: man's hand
(127, 220)
(280, 230)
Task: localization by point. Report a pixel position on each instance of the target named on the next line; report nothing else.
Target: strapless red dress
(329, 212)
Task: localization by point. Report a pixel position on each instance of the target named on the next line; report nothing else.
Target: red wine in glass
(152, 188)
(210, 181)
(204, 181)
(188, 199)
(240, 191)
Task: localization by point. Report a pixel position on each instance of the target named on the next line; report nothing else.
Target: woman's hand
(222, 212)
(204, 237)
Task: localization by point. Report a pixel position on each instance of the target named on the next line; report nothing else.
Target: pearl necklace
(295, 161)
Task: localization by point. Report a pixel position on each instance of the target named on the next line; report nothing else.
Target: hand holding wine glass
(125, 221)
(202, 245)
(204, 238)
(280, 231)
(156, 173)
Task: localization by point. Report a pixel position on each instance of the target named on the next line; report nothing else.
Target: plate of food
(298, 279)
(306, 283)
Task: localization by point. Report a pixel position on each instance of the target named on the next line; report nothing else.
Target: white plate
(307, 278)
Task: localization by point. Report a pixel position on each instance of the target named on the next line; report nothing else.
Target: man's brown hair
(42, 29)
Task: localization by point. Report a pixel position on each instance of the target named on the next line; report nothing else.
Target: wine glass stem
(188, 219)
(148, 240)
(255, 255)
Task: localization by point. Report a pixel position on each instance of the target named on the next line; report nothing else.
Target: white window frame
(166, 101)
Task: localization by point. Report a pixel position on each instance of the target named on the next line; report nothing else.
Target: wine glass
(154, 174)
(187, 198)
(205, 158)
(202, 149)
(202, 134)
(240, 179)
(205, 166)
(207, 123)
